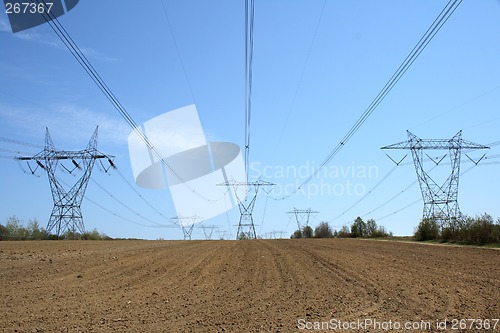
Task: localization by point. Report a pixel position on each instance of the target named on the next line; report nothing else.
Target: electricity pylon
(187, 224)
(302, 216)
(66, 214)
(246, 203)
(208, 230)
(440, 201)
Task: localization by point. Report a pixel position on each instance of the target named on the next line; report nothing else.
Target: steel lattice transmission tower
(302, 216)
(187, 224)
(66, 214)
(208, 230)
(246, 196)
(440, 201)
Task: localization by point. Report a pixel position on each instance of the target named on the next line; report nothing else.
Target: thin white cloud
(94, 54)
(4, 26)
(48, 38)
(69, 124)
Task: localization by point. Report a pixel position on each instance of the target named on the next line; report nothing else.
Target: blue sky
(308, 90)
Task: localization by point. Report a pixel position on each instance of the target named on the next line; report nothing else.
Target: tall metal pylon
(302, 216)
(66, 214)
(440, 201)
(246, 196)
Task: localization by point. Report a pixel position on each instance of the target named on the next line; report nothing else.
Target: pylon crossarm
(416, 143)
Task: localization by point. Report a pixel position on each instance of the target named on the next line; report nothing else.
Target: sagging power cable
(438, 23)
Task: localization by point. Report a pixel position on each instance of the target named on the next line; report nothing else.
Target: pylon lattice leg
(440, 201)
(187, 230)
(246, 226)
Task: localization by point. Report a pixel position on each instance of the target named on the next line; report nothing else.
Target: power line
(140, 196)
(22, 143)
(434, 117)
(287, 118)
(249, 24)
(71, 45)
(124, 218)
(101, 187)
(12, 151)
(398, 194)
(123, 204)
(415, 202)
(445, 14)
(156, 225)
(177, 49)
(366, 195)
(415, 182)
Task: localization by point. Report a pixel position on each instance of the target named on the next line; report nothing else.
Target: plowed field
(246, 286)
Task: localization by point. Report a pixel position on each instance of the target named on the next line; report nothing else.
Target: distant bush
(468, 230)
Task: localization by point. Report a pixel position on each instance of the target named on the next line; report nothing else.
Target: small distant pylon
(246, 203)
(302, 216)
(187, 224)
(66, 214)
(440, 201)
(208, 230)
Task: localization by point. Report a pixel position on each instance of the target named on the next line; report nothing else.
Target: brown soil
(242, 286)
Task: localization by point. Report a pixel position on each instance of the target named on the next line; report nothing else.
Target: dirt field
(245, 286)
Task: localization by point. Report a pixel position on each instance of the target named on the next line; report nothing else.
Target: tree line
(358, 228)
(14, 229)
(477, 230)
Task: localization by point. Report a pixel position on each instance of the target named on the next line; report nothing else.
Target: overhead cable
(438, 23)
(249, 27)
(77, 53)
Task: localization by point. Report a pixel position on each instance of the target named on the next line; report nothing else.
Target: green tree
(307, 232)
(371, 228)
(4, 233)
(358, 228)
(323, 230)
(14, 227)
(245, 235)
(344, 232)
(428, 229)
(34, 230)
(297, 234)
